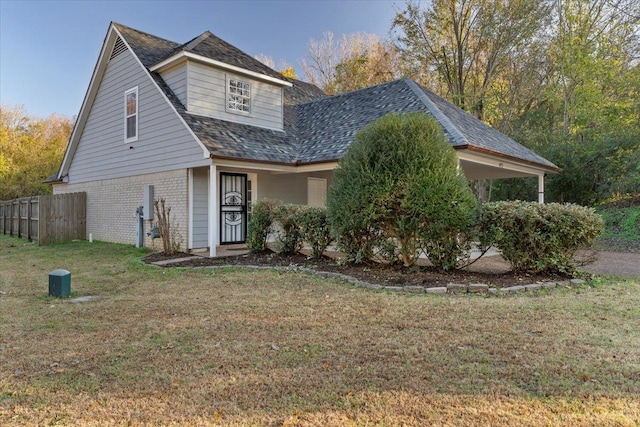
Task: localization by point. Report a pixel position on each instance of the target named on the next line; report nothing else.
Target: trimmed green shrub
(288, 237)
(537, 237)
(398, 191)
(260, 225)
(314, 229)
(291, 224)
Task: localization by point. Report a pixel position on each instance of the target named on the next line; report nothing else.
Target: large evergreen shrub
(537, 237)
(398, 191)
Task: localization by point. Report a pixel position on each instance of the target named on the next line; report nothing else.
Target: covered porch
(477, 165)
(222, 195)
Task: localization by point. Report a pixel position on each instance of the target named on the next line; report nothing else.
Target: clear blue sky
(48, 48)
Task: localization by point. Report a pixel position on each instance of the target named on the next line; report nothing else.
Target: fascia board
(218, 64)
(87, 102)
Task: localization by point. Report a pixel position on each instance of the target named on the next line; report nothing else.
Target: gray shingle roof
(327, 127)
(317, 128)
(150, 49)
(480, 135)
(213, 47)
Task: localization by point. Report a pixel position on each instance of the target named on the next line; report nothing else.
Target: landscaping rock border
(451, 288)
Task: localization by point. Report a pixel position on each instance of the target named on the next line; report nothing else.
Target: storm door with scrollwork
(233, 208)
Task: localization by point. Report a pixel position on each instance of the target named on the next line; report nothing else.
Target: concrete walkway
(615, 263)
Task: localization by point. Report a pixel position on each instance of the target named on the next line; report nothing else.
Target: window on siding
(239, 96)
(131, 115)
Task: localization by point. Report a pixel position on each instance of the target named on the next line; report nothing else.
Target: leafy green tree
(399, 190)
(467, 42)
(31, 150)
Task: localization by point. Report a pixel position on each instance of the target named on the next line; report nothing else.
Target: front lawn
(236, 347)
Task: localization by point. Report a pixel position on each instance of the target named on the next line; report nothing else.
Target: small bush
(314, 228)
(288, 237)
(168, 227)
(291, 224)
(538, 238)
(260, 225)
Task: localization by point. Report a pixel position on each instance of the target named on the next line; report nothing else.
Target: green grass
(238, 347)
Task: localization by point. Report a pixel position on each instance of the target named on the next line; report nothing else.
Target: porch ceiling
(476, 165)
(485, 166)
(482, 171)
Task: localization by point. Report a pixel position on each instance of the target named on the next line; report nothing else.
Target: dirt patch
(493, 270)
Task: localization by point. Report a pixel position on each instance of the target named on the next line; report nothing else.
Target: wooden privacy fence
(52, 218)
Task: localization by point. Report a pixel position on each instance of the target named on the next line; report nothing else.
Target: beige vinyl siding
(288, 188)
(316, 192)
(164, 142)
(200, 205)
(207, 96)
(176, 78)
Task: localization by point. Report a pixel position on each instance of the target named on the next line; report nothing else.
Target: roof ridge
(196, 41)
(242, 52)
(444, 121)
(117, 24)
(187, 46)
(348, 93)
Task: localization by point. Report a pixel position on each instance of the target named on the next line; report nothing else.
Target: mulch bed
(492, 271)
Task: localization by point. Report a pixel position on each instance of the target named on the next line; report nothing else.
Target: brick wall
(112, 203)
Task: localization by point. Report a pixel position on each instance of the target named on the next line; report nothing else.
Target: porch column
(214, 214)
(190, 187)
(541, 188)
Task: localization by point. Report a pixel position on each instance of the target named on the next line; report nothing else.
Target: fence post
(43, 208)
(15, 228)
(29, 219)
(2, 217)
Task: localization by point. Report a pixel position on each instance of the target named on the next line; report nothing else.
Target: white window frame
(127, 116)
(248, 97)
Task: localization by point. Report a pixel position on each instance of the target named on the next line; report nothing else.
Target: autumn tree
(467, 42)
(585, 117)
(31, 150)
(283, 67)
(354, 61)
(560, 76)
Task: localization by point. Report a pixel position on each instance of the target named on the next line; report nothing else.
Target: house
(212, 129)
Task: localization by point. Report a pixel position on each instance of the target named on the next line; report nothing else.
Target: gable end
(118, 48)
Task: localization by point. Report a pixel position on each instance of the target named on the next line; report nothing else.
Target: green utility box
(59, 283)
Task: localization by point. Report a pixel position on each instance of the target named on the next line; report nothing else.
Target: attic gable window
(238, 96)
(131, 115)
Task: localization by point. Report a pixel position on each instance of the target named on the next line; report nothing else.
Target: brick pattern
(112, 203)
